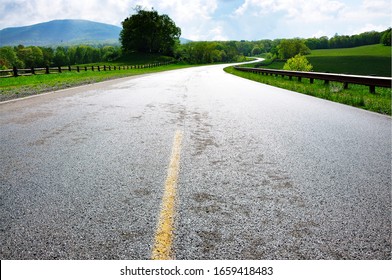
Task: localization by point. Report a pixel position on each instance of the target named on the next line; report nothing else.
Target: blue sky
(218, 19)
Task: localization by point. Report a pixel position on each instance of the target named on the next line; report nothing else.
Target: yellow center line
(162, 249)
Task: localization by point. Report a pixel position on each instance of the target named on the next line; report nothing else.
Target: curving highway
(263, 173)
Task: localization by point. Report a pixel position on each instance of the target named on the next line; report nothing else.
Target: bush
(298, 63)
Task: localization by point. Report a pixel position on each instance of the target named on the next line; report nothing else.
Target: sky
(218, 19)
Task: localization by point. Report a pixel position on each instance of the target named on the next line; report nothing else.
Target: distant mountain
(184, 40)
(61, 32)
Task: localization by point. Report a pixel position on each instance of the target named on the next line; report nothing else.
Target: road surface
(263, 173)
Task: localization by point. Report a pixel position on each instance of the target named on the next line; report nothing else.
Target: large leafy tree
(289, 48)
(149, 32)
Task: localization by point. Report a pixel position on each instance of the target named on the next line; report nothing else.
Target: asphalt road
(264, 173)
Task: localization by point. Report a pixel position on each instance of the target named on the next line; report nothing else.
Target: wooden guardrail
(370, 81)
(15, 72)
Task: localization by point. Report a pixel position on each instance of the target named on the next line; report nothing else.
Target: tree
(48, 54)
(386, 37)
(149, 32)
(298, 63)
(288, 48)
(8, 58)
(256, 50)
(110, 53)
(60, 58)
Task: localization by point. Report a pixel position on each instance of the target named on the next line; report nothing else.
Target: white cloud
(304, 18)
(217, 19)
(376, 5)
(26, 12)
(194, 17)
(299, 9)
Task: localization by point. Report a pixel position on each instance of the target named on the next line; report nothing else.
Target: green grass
(370, 50)
(134, 59)
(355, 95)
(11, 88)
(366, 60)
(355, 65)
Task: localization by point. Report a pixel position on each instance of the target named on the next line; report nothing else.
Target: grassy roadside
(11, 88)
(355, 95)
(366, 60)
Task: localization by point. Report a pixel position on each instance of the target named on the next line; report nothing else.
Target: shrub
(298, 63)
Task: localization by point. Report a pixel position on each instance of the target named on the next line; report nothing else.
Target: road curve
(264, 173)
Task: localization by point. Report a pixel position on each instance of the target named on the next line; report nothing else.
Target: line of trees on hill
(150, 32)
(344, 41)
(32, 56)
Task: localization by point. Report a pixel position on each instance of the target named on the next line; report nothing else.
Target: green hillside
(59, 32)
(365, 60)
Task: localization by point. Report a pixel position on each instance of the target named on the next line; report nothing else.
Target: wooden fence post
(104, 68)
(32, 70)
(15, 71)
(99, 68)
(59, 69)
(47, 70)
(69, 68)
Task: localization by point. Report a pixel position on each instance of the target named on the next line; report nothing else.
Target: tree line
(344, 41)
(32, 56)
(149, 32)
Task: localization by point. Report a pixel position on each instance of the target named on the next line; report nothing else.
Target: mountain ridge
(61, 32)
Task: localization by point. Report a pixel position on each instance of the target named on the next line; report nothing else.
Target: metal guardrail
(370, 81)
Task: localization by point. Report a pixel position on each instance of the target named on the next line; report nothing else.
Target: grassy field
(134, 59)
(370, 50)
(366, 60)
(11, 88)
(355, 95)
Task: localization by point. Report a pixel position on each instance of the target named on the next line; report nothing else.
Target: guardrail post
(345, 85)
(372, 89)
(326, 82)
(311, 80)
(15, 71)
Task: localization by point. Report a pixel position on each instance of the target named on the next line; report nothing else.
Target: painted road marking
(162, 249)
